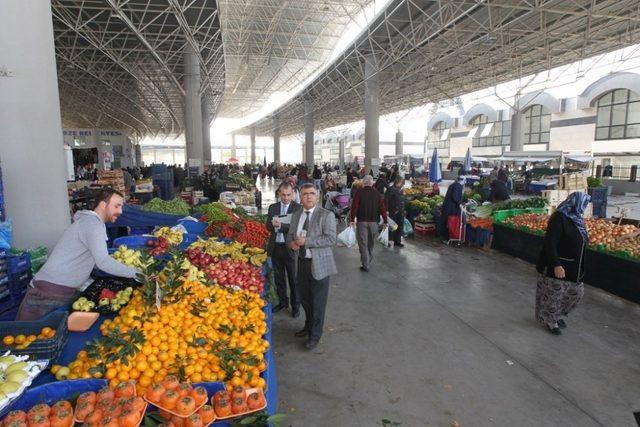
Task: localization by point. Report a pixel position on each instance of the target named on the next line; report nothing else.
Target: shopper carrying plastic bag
(383, 237)
(392, 224)
(347, 237)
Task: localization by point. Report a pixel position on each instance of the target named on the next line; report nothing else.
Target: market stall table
(77, 341)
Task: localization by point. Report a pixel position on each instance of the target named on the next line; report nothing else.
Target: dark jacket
(499, 191)
(317, 174)
(274, 210)
(563, 246)
(452, 200)
(349, 179)
(368, 205)
(395, 202)
(381, 185)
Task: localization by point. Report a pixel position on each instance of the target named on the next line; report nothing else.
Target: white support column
(253, 145)
(371, 115)
(138, 154)
(516, 132)
(307, 153)
(399, 143)
(193, 109)
(233, 145)
(341, 143)
(206, 132)
(31, 144)
(276, 140)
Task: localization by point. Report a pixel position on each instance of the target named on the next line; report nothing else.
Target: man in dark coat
(395, 206)
(283, 257)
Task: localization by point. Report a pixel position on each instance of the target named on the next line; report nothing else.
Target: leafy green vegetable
(215, 212)
(171, 207)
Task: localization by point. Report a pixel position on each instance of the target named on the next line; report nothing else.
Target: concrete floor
(434, 335)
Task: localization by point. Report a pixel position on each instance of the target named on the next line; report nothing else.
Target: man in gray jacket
(312, 235)
(83, 246)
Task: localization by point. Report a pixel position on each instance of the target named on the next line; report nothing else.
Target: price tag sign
(158, 296)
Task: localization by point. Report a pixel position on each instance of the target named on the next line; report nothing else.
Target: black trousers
(284, 269)
(313, 295)
(396, 236)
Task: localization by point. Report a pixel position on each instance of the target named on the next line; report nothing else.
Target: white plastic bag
(383, 237)
(391, 223)
(347, 237)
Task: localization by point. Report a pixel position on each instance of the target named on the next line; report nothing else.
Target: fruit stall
(612, 258)
(188, 343)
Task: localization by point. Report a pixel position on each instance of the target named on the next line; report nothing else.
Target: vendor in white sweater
(82, 246)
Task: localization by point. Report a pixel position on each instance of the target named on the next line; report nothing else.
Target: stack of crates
(599, 201)
(15, 276)
(163, 178)
(572, 182)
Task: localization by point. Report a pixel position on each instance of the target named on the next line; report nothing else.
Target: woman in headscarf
(561, 263)
(451, 209)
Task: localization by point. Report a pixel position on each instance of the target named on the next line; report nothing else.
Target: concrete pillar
(253, 145)
(233, 145)
(307, 151)
(276, 140)
(31, 144)
(517, 132)
(399, 141)
(138, 155)
(193, 109)
(206, 132)
(341, 142)
(371, 115)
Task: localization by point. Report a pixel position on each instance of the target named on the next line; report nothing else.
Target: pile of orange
(23, 341)
(179, 341)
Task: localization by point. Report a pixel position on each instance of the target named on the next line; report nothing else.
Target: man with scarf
(561, 263)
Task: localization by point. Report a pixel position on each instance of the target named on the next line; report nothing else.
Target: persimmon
(103, 405)
(255, 401)
(222, 394)
(169, 399)
(138, 404)
(15, 416)
(128, 418)
(60, 405)
(184, 389)
(171, 382)
(89, 396)
(238, 393)
(199, 394)
(105, 393)
(185, 406)
(40, 409)
(16, 423)
(38, 420)
(125, 389)
(239, 405)
(83, 410)
(154, 393)
(207, 413)
(109, 422)
(62, 418)
(94, 417)
(194, 420)
(176, 421)
(222, 408)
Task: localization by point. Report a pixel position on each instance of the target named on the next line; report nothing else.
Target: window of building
(618, 115)
(489, 134)
(439, 136)
(537, 125)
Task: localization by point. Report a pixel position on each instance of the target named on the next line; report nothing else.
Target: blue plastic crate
(600, 209)
(18, 263)
(18, 284)
(133, 241)
(194, 227)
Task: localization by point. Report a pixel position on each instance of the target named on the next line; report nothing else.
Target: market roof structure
(431, 50)
(272, 46)
(120, 61)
